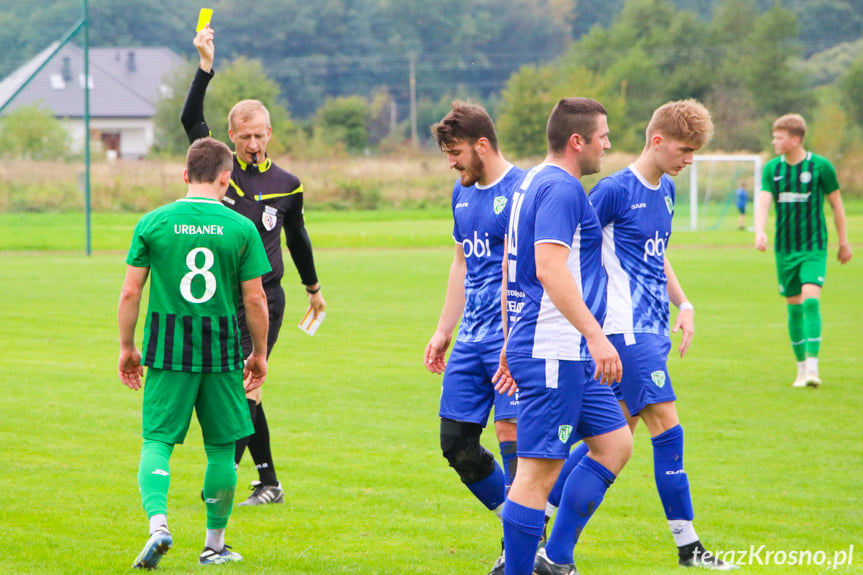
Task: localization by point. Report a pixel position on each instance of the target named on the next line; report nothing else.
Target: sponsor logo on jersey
(268, 218)
(499, 204)
(563, 433)
(658, 378)
(805, 177)
(161, 472)
(462, 205)
(794, 197)
(228, 200)
(478, 247)
(655, 246)
(669, 204)
(638, 206)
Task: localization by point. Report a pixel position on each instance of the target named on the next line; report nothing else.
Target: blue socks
(522, 528)
(491, 490)
(575, 456)
(671, 480)
(582, 493)
(509, 455)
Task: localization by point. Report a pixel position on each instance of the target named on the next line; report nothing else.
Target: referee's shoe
(263, 494)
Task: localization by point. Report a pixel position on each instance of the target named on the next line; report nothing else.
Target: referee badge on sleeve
(268, 218)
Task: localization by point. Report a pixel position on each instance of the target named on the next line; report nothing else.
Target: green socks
(220, 482)
(154, 476)
(795, 330)
(812, 326)
(804, 327)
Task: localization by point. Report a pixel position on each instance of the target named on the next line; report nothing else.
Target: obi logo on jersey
(478, 247)
(655, 246)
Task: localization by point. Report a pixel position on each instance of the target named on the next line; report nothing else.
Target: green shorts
(798, 268)
(218, 400)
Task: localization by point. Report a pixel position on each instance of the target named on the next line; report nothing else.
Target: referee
(273, 199)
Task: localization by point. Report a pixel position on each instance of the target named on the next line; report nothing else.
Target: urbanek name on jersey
(180, 229)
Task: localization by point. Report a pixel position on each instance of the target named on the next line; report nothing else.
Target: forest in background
(335, 71)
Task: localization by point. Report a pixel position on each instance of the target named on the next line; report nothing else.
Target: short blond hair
(245, 109)
(794, 124)
(685, 121)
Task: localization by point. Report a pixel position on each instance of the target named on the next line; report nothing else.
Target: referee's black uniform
(273, 199)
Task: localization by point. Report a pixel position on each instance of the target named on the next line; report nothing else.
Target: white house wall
(136, 135)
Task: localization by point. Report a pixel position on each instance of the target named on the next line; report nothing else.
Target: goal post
(694, 192)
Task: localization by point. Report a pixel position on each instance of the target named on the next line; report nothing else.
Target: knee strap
(460, 445)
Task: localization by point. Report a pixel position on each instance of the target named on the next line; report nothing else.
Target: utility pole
(414, 139)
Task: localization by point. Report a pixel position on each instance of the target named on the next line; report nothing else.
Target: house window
(57, 82)
(67, 69)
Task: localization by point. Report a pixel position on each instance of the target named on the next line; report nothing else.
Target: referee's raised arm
(192, 116)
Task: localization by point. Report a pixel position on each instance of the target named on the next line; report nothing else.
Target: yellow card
(204, 18)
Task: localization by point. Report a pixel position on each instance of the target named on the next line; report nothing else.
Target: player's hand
(435, 354)
(254, 372)
(502, 378)
(608, 365)
(316, 300)
(685, 321)
(844, 253)
(206, 48)
(760, 241)
(130, 368)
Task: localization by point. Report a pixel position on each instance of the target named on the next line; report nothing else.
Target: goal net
(713, 196)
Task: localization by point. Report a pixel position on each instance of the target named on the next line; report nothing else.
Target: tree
(764, 67)
(33, 133)
(343, 120)
(851, 87)
(525, 105)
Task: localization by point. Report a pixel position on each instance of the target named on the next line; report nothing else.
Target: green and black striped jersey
(799, 192)
(198, 252)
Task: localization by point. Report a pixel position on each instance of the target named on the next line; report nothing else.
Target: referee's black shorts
(276, 308)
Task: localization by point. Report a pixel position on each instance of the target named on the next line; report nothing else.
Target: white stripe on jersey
(553, 331)
(619, 313)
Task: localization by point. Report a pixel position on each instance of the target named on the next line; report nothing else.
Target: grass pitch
(353, 415)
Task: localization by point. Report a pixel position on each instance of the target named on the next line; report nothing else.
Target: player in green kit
(799, 181)
(201, 256)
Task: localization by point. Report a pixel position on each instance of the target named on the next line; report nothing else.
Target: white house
(125, 86)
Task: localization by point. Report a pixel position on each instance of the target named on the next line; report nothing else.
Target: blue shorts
(559, 403)
(645, 378)
(467, 393)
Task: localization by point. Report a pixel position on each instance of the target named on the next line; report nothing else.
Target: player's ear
(186, 175)
(482, 145)
(576, 141)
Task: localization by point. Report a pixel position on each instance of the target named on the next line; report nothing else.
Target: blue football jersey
(636, 226)
(551, 206)
(480, 215)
